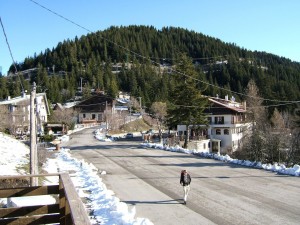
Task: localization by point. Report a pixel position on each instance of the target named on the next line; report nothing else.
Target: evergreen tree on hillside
(276, 77)
(4, 91)
(113, 88)
(42, 79)
(187, 103)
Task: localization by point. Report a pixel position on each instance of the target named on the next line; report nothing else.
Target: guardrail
(68, 208)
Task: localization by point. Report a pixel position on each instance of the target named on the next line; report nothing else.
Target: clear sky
(264, 25)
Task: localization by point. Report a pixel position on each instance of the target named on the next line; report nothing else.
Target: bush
(48, 138)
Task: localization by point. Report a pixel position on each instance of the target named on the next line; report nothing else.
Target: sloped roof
(229, 104)
(23, 98)
(96, 103)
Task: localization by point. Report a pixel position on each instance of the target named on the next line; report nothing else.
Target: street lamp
(81, 84)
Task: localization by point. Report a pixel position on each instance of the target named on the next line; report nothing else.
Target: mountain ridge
(276, 77)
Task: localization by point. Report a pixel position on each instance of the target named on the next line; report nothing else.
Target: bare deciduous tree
(4, 118)
(254, 140)
(293, 153)
(159, 112)
(66, 116)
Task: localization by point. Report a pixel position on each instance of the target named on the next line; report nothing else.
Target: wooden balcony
(68, 208)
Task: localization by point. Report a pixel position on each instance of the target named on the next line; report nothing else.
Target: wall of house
(98, 117)
(41, 109)
(229, 133)
(181, 129)
(200, 146)
(226, 139)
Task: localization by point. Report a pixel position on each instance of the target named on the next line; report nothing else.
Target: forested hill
(224, 65)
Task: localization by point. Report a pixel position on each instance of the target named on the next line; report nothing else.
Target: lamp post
(81, 84)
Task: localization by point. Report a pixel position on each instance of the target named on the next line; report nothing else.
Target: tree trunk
(187, 137)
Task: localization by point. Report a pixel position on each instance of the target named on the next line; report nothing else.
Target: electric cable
(11, 55)
(158, 64)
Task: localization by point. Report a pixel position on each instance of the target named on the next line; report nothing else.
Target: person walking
(185, 181)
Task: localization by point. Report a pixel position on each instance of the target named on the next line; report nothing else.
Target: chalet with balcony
(95, 109)
(227, 126)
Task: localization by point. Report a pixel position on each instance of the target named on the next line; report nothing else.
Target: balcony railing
(68, 208)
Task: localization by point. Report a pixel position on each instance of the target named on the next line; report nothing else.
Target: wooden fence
(67, 210)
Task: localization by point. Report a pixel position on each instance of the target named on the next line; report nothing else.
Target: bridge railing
(67, 209)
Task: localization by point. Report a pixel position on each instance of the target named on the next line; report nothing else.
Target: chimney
(226, 97)
(8, 97)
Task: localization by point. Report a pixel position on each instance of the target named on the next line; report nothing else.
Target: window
(226, 131)
(93, 116)
(219, 120)
(218, 131)
(83, 115)
(204, 146)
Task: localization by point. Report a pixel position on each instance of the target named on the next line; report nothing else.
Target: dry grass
(134, 126)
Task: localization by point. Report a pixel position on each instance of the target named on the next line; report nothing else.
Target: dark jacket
(182, 182)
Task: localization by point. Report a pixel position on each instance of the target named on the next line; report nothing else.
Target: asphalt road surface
(221, 193)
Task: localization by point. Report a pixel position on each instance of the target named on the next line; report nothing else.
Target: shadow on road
(174, 201)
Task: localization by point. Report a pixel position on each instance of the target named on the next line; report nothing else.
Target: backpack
(185, 178)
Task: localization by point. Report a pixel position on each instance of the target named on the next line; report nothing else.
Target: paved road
(221, 193)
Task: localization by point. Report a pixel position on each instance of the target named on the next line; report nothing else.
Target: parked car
(129, 135)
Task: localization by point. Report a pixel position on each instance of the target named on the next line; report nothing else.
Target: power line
(11, 55)
(249, 107)
(212, 57)
(158, 64)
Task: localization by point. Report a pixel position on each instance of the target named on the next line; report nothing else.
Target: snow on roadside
(14, 155)
(105, 207)
(279, 168)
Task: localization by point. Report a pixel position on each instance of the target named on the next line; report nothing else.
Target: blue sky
(264, 25)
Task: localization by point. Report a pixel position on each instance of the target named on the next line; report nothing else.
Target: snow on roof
(70, 104)
(122, 100)
(236, 106)
(19, 99)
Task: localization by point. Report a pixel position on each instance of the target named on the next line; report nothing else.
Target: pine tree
(113, 87)
(187, 103)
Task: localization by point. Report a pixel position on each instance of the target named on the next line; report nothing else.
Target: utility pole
(130, 109)
(106, 123)
(81, 84)
(33, 148)
(140, 104)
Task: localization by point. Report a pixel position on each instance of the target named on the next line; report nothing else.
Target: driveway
(221, 193)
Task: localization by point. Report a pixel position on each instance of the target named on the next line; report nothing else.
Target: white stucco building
(227, 126)
(18, 109)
